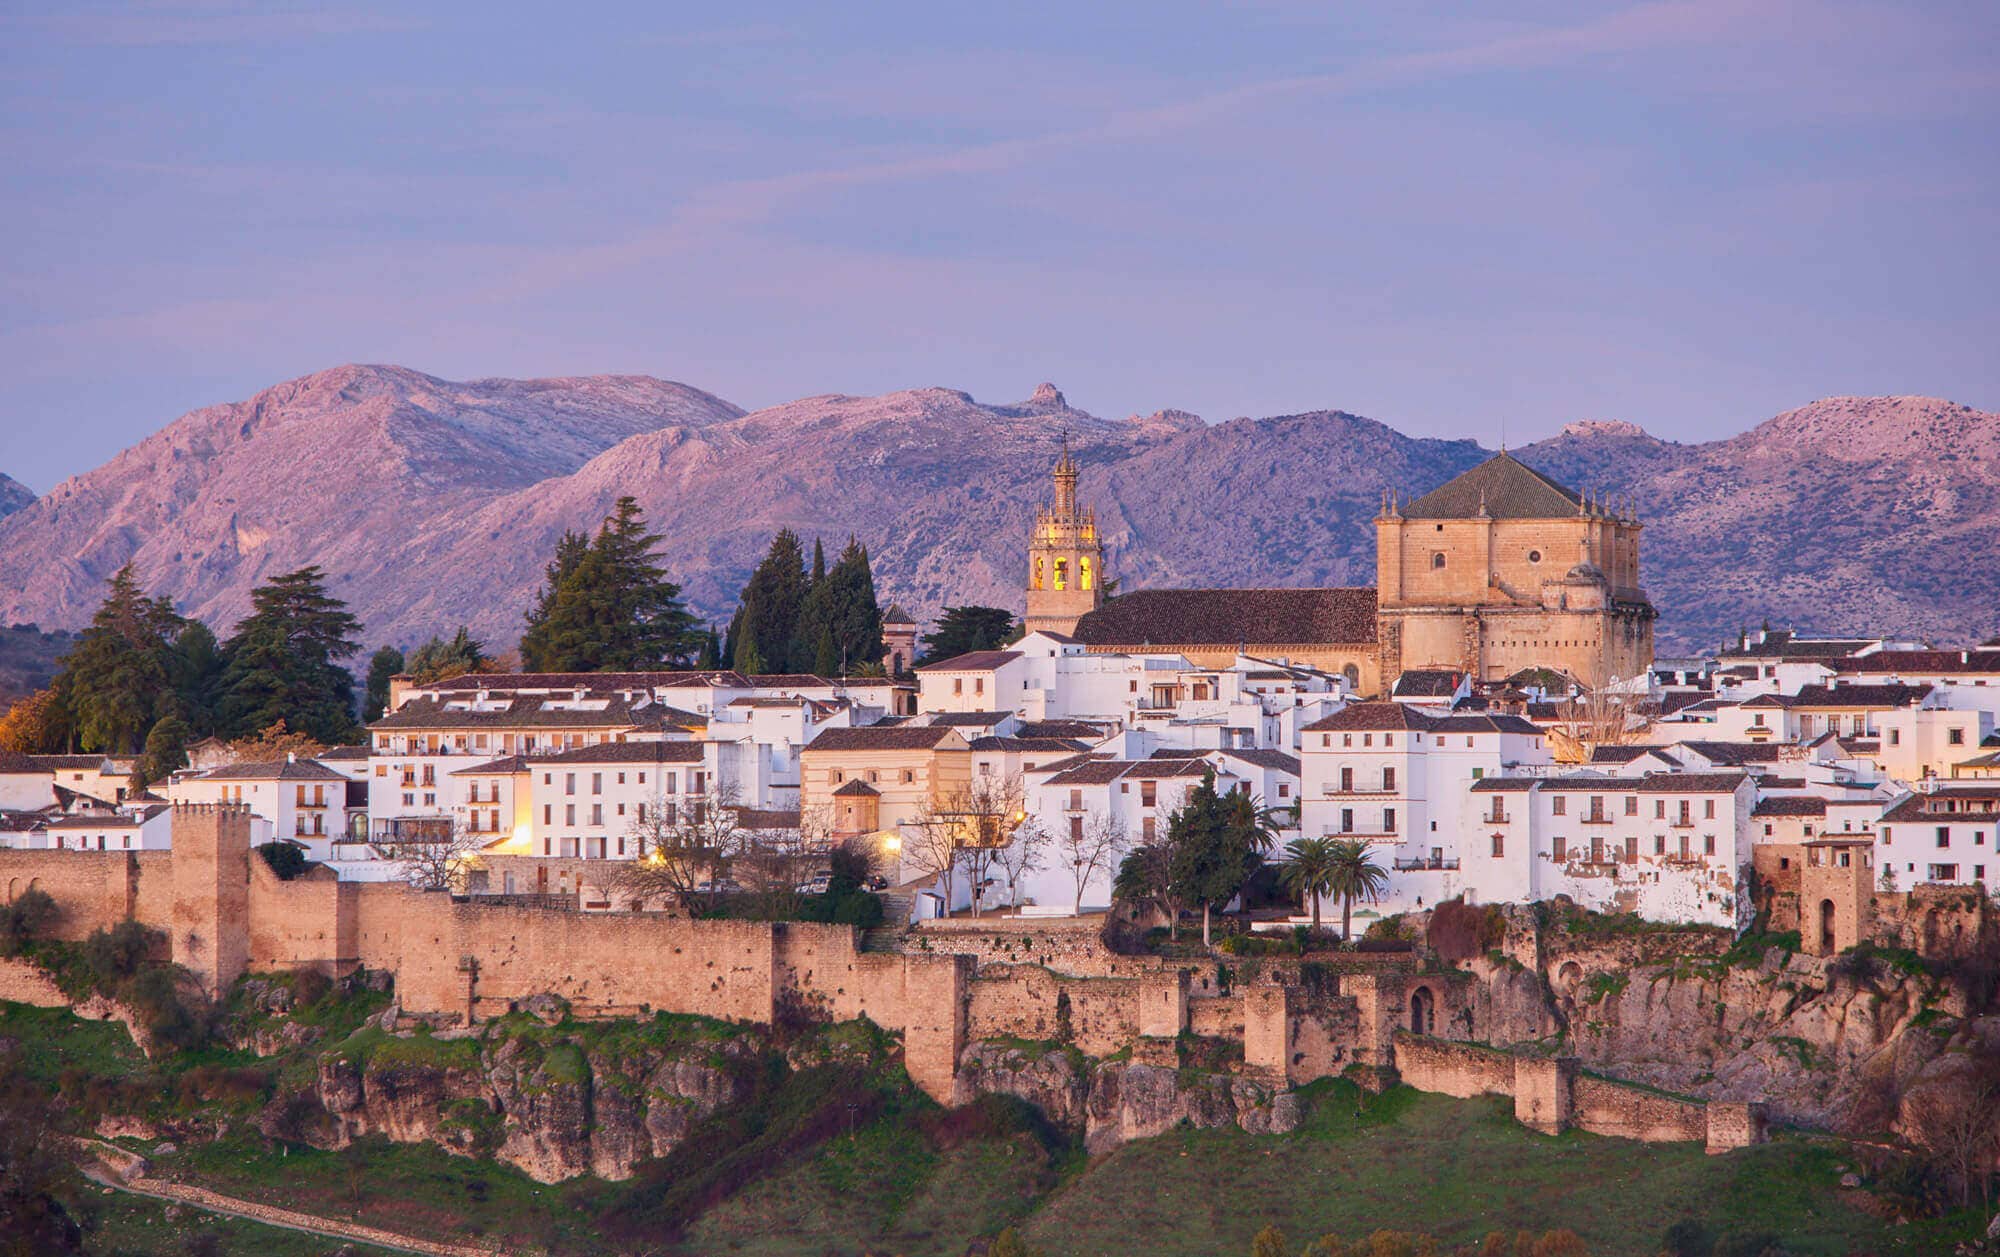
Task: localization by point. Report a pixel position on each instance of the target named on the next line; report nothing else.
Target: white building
(300, 800)
(1944, 834)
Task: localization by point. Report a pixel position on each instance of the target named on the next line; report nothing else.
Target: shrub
(1008, 1244)
(309, 987)
(1269, 1242)
(1389, 929)
(31, 913)
(283, 859)
(1460, 931)
(857, 908)
(155, 996)
(1687, 1238)
(116, 954)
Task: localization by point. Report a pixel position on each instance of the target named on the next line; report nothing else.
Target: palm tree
(1354, 877)
(1309, 871)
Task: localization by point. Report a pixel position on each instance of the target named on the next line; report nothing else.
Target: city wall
(1551, 1095)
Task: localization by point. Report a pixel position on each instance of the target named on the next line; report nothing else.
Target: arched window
(1083, 573)
(1437, 561)
(1423, 1015)
(1038, 571)
(1353, 675)
(1062, 573)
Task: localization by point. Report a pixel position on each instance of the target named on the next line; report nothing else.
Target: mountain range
(433, 503)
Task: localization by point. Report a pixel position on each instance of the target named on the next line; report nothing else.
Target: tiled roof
(969, 719)
(1767, 700)
(1859, 695)
(342, 753)
(896, 615)
(69, 762)
(1734, 753)
(1503, 487)
(1617, 754)
(1930, 806)
(16, 762)
(882, 738)
(595, 681)
(1096, 772)
(1791, 805)
(1427, 683)
(1692, 783)
(1503, 785)
(1058, 729)
(1603, 785)
(1884, 662)
(1266, 757)
(767, 818)
(526, 712)
(1064, 745)
(1159, 768)
(1484, 724)
(628, 753)
(273, 770)
(1232, 617)
(973, 661)
(494, 767)
(1371, 717)
(856, 788)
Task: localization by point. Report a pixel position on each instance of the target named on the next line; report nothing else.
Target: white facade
(1943, 835)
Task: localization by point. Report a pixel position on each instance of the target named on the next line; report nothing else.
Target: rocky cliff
(434, 503)
(14, 495)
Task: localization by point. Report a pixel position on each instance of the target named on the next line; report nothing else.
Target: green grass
(121, 1223)
(53, 1039)
(1456, 1169)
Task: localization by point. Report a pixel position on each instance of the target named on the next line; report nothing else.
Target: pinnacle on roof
(1502, 487)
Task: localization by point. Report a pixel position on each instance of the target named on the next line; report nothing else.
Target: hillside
(14, 495)
(435, 503)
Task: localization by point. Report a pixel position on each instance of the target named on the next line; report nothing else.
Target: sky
(1463, 220)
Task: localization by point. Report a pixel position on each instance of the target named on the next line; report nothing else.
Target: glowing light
(892, 843)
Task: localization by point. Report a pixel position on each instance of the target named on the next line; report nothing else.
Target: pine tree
(282, 661)
(197, 668)
(383, 666)
(166, 749)
(120, 673)
(710, 657)
(608, 606)
(964, 629)
(438, 659)
(826, 659)
(570, 549)
(819, 561)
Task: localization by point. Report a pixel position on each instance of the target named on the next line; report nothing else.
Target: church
(1498, 570)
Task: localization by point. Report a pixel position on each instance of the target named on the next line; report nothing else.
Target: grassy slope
(906, 1183)
(130, 1224)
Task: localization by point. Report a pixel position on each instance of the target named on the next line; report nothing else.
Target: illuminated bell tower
(1065, 557)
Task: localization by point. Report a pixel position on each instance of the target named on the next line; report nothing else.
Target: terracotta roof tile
(1232, 617)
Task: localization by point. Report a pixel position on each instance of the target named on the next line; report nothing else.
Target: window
(1499, 845)
(1955, 736)
(1437, 562)
(1895, 737)
(597, 814)
(1659, 809)
(1147, 828)
(569, 813)
(621, 779)
(1659, 844)
(1561, 848)
(548, 813)
(569, 783)
(958, 685)
(1148, 793)
(1347, 739)
(1631, 849)
(1631, 805)
(909, 776)
(1478, 774)
(1944, 835)
(1388, 779)
(1559, 806)
(1684, 846)
(1388, 820)
(1347, 820)
(1708, 809)
(1076, 829)
(597, 783)
(1284, 789)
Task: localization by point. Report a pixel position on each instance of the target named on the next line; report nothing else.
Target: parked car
(817, 884)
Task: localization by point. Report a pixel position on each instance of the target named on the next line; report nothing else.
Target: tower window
(1083, 572)
(1062, 573)
(1038, 571)
(1437, 561)
(1534, 556)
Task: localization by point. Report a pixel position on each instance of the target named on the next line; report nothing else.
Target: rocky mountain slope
(14, 495)
(436, 503)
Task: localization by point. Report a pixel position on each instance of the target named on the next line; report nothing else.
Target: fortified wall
(950, 984)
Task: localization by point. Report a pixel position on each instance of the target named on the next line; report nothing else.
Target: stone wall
(1023, 1001)
(1550, 1095)
(23, 982)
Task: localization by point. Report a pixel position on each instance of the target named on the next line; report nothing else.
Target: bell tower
(1065, 557)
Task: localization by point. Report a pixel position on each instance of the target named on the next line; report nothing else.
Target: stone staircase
(888, 936)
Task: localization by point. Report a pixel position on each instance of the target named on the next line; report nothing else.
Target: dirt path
(287, 1219)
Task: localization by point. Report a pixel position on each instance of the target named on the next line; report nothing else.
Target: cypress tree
(383, 665)
(120, 674)
(746, 658)
(198, 664)
(778, 589)
(535, 649)
(819, 561)
(166, 748)
(853, 614)
(283, 661)
(826, 659)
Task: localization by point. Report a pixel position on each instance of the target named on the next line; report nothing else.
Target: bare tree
(1090, 847)
(1956, 1121)
(435, 857)
(967, 825)
(1592, 716)
(1022, 856)
(682, 853)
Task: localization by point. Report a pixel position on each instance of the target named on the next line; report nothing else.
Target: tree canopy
(1214, 844)
(965, 629)
(791, 620)
(440, 658)
(608, 606)
(121, 672)
(383, 666)
(284, 661)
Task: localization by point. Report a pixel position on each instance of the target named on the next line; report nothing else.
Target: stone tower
(211, 908)
(1065, 557)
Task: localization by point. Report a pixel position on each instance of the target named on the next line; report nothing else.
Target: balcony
(1495, 818)
(1422, 864)
(1597, 818)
